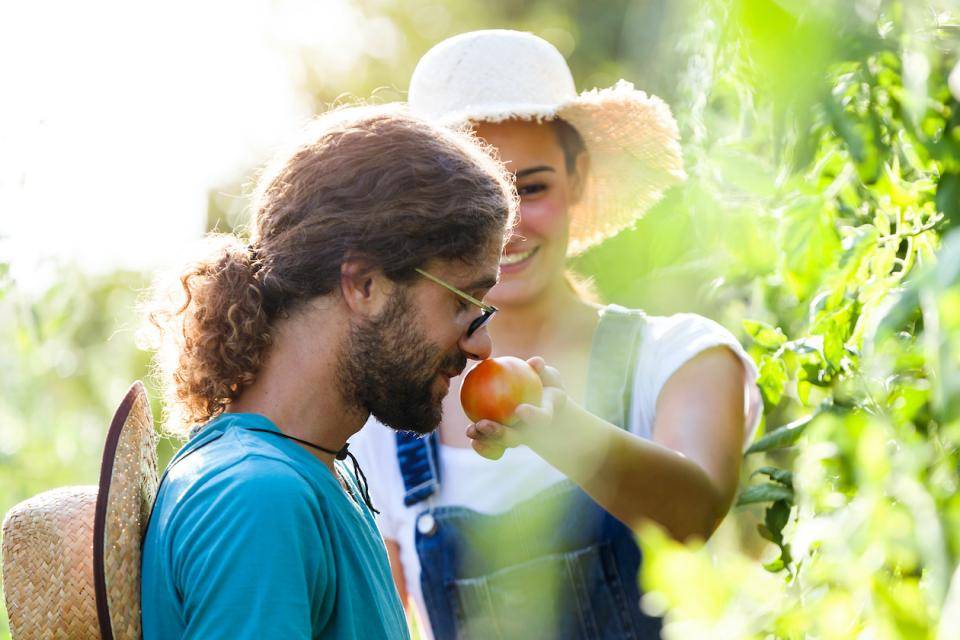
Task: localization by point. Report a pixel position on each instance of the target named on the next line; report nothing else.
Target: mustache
(455, 362)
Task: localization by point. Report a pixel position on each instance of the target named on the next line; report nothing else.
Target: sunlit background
(823, 147)
(120, 119)
(124, 122)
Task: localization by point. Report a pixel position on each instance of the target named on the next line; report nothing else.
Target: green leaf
(775, 567)
(860, 138)
(802, 346)
(765, 533)
(833, 349)
(858, 243)
(835, 326)
(776, 518)
(766, 492)
(810, 245)
(772, 380)
(948, 197)
(782, 476)
(782, 437)
(766, 336)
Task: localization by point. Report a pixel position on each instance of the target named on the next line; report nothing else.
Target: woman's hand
(491, 439)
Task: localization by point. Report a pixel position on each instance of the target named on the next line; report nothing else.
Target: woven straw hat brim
(71, 556)
(128, 487)
(48, 568)
(634, 148)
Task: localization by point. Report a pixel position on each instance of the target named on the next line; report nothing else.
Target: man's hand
(491, 439)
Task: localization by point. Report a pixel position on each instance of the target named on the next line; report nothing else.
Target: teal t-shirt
(252, 537)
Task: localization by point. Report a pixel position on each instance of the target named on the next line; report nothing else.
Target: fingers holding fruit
(549, 376)
(488, 450)
(490, 439)
(552, 402)
(507, 396)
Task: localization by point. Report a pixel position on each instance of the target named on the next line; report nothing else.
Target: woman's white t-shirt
(487, 486)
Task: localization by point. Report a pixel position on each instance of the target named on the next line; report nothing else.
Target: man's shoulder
(256, 470)
(231, 453)
(251, 502)
(240, 470)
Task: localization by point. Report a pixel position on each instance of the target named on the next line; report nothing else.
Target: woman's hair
(572, 145)
(369, 183)
(570, 142)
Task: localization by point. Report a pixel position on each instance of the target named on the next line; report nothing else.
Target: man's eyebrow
(523, 173)
(486, 282)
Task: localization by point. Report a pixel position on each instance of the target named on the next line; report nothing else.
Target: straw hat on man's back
(496, 75)
(71, 556)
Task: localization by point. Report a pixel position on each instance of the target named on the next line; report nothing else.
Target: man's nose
(478, 346)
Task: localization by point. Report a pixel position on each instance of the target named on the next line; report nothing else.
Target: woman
(652, 413)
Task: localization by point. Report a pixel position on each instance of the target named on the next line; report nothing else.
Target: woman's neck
(539, 321)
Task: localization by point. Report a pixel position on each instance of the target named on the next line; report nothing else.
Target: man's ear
(578, 179)
(363, 286)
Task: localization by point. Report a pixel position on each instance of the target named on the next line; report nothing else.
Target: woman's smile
(514, 261)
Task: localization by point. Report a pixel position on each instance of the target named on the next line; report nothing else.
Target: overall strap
(613, 358)
(419, 461)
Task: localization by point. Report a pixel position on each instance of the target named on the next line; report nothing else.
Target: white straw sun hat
(496, 75)
(71, 556)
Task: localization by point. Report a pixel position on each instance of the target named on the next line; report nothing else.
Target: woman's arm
(684, 479)
(396, 568)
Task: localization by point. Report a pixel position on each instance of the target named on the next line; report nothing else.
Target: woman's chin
(513, 291)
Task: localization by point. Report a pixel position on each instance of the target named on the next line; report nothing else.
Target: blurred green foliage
(67, 360)
(823, 149)
(850, 138)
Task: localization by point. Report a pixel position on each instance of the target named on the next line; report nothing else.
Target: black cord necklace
(342, 454)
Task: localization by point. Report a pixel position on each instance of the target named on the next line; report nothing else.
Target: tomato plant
(846, 170)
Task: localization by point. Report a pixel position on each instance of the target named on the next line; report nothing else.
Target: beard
(388, 368)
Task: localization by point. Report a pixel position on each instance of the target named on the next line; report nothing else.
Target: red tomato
(494, 388)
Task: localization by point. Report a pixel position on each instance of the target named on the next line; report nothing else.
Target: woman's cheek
(544, 217)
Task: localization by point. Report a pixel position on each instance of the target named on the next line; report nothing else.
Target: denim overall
(556, 566)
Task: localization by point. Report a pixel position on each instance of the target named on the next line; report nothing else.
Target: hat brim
(634, 148)
(47, 572)
(128, 486)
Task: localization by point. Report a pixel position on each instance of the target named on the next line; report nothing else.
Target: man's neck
(297, 386)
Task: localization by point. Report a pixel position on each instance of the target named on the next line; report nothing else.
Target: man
(373, 243)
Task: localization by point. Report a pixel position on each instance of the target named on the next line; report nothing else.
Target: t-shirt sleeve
(376, 451)
(671, 341)
(251, 556)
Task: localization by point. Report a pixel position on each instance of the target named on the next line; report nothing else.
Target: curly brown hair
(370, 182)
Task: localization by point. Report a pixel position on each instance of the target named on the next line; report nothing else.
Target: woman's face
(535, 256)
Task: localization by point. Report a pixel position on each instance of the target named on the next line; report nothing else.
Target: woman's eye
(531, 189)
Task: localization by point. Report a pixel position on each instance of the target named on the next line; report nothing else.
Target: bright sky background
(117, 117)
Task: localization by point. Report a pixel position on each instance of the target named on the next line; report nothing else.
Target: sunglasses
(486, 311)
